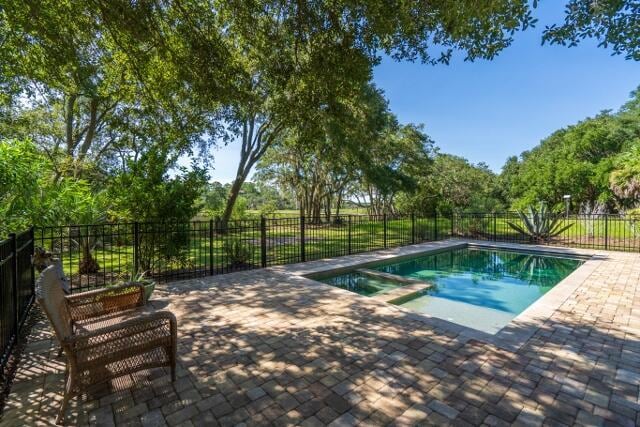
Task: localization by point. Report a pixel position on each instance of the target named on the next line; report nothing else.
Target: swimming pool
(479, 288)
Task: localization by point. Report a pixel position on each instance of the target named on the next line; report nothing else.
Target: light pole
(567, 200)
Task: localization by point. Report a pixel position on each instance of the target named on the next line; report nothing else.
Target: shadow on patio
(265, 348)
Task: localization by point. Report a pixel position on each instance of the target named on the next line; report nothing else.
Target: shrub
(239, 252)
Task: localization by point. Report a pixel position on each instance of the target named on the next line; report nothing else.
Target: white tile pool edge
(510, 337)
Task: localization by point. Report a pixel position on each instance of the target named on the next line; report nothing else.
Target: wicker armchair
(114, 344)
(88, 306)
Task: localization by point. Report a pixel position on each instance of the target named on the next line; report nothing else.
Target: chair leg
(68, 394)
(172, 361)
(174, 349)
(60, 352)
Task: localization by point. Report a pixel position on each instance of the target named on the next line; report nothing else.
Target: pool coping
(512, 336)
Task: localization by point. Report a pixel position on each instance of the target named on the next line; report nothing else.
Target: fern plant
(539, 225)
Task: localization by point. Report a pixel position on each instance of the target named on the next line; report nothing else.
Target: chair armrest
(150, 327)
(86, 305)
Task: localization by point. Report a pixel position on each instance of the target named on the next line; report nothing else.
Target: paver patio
(268, 348)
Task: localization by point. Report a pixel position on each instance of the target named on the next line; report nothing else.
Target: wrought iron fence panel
(16, 289)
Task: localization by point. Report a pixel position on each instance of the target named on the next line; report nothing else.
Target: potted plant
(139, 277)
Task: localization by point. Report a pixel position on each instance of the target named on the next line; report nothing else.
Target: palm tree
(78, 205)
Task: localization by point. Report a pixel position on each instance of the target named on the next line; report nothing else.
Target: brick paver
(265, 348)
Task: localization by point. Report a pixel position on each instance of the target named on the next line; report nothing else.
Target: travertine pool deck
(270, 347)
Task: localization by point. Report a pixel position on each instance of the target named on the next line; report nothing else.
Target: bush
(163, 205)
(239, 252)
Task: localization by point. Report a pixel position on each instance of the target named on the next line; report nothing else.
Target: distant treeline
(596, 162)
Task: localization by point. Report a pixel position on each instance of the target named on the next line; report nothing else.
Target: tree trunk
(327, 208)
(71, 102)
(88, 264)
(88, 138)
(234, 192)
(338, 203)
(254, 145)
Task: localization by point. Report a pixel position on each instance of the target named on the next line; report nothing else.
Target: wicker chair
(88, 307)
(115, 344)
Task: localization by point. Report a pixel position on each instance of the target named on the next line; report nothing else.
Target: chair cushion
(110, 319)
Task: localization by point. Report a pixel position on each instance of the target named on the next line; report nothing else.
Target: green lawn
(203, 251)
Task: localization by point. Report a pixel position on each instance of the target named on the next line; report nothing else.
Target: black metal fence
(16, 289)
(597, 231)
(93, 255)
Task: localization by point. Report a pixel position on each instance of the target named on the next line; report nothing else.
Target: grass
(580, 229)
(115, 252)
(204, 251)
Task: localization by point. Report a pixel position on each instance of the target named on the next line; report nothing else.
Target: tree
(303, 61)
(163, 205)
(577, 160)
(323, 162)
(625, 179)
(77, 204)
(305, 170)
(214, 197)
(614, 23)
(25, 187)
(85, 81)
(396, 165)
(453, 184)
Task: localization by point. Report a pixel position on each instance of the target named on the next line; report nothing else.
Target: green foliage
(539, 225)
(24, 198)
(625, 179)
(240, 209)
(112, 93)
(145, 193)
(452, 183)
(634, 220)
(213, 199)
(268, 209)
(29, 194)
(238, 252)
(577, 160)
(614, 23)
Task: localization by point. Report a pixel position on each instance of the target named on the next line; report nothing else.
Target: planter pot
(149, 287)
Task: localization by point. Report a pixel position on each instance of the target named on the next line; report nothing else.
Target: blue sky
(487, 111)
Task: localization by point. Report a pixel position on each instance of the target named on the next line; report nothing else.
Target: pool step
(409, 289)
(404, 293)
(388, 276)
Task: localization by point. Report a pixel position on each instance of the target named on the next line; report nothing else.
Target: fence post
(303, 250)
(211, 225)
(14, 284)
(435, 225)
(606, 232)
(413, 228)
(384, 229)
(136, 246)
(263, 241)
(349, 234)
(495, 233)
(32, 236)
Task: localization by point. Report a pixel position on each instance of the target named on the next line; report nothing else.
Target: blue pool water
(480, 288)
